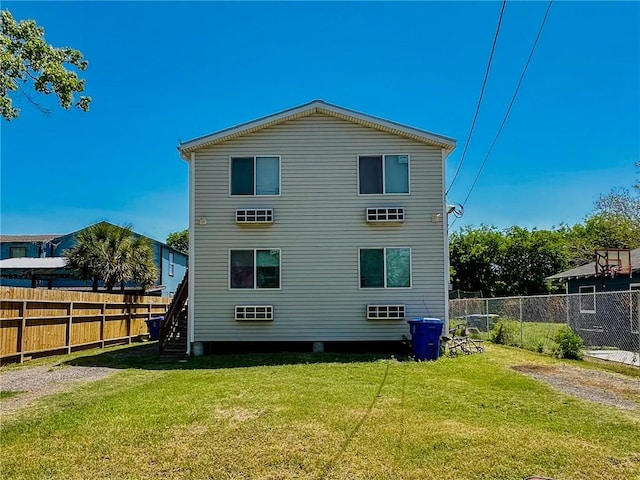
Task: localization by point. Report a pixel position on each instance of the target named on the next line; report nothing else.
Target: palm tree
(114, 255)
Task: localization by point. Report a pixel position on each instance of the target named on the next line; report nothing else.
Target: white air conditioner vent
(254, 312)
(385, 214)
(385, 312)
(254, 215)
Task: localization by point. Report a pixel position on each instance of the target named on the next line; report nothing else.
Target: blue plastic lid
(427, 320)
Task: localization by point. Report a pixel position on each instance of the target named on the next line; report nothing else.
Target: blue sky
(161, 71)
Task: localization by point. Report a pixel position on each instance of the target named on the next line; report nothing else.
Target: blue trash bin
(425, 337)
(154, 327)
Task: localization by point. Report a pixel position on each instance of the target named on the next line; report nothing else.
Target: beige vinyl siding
(319, 224)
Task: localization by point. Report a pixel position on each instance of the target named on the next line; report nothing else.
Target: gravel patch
(593, 385)
(36, 382)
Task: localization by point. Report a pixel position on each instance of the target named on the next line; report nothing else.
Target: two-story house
(316, 224)
(38, 261)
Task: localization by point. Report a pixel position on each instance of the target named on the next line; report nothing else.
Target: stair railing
(169, 324)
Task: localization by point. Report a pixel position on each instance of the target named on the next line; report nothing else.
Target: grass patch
(534, 336)
(9, 393)
(319, 416)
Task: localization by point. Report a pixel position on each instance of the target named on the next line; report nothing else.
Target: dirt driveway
(594, 385)
(36, 382)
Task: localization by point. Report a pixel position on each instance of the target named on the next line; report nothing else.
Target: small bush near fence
(569, 344)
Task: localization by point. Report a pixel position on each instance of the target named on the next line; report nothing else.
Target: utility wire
(506, 115)
(484, 83)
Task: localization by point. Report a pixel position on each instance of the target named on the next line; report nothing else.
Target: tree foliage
(474, 255)
(600, 231)
(510, 262)
(516, 261)
(620, 202)
(528, 257)
(114, 255)
(179, 240)
(29, 62)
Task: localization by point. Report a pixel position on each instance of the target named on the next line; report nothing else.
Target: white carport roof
(33, 263)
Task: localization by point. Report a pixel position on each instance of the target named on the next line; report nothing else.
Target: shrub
(569, 344)
(504, 333)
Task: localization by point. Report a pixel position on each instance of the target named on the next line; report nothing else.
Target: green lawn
(319, 416)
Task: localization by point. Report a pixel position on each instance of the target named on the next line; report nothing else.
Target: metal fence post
(521, 332)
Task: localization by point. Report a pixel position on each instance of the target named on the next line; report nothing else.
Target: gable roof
(589, 270)
(28, 238)
(48, 238)
(317, 106)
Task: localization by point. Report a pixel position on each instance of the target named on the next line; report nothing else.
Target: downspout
(191, 263)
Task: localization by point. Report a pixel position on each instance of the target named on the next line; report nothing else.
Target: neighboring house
(38, 269)
(583, 279)
(316, 224)
(604, 319)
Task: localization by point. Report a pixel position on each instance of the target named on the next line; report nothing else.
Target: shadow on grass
(145, 357)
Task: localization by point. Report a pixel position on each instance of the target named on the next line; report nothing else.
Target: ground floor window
(587, 299)
(17, 252)
(256, 268)
(385, 267)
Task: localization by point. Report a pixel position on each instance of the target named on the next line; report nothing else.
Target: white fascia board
(428, 137)
(307, 109)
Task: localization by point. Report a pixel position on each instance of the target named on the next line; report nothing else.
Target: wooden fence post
(69, 324)
(23, 327)
(103, 308)
(129, 324)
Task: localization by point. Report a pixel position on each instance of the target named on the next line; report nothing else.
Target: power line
(484, 83)
(506, 115)
(513, 99)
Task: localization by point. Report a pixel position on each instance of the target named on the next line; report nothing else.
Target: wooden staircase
(173, 329)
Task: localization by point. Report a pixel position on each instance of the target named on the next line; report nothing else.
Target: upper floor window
(385, 267)
(17, 252)
(172, 264)
(255, 268)
(258, 175)
(383, 174)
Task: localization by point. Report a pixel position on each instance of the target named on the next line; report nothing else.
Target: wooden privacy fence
(37, 322)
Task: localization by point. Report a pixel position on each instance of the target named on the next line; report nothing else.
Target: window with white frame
(383, 174)
(385, 267)
(259, 175)
(587, 299)
(257, 268)
(172, 264)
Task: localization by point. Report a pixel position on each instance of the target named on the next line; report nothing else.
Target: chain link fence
(605, 321)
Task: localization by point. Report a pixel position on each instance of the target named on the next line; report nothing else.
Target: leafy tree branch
(27, 60)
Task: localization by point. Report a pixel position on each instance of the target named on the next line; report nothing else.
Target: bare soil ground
(594, 385)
